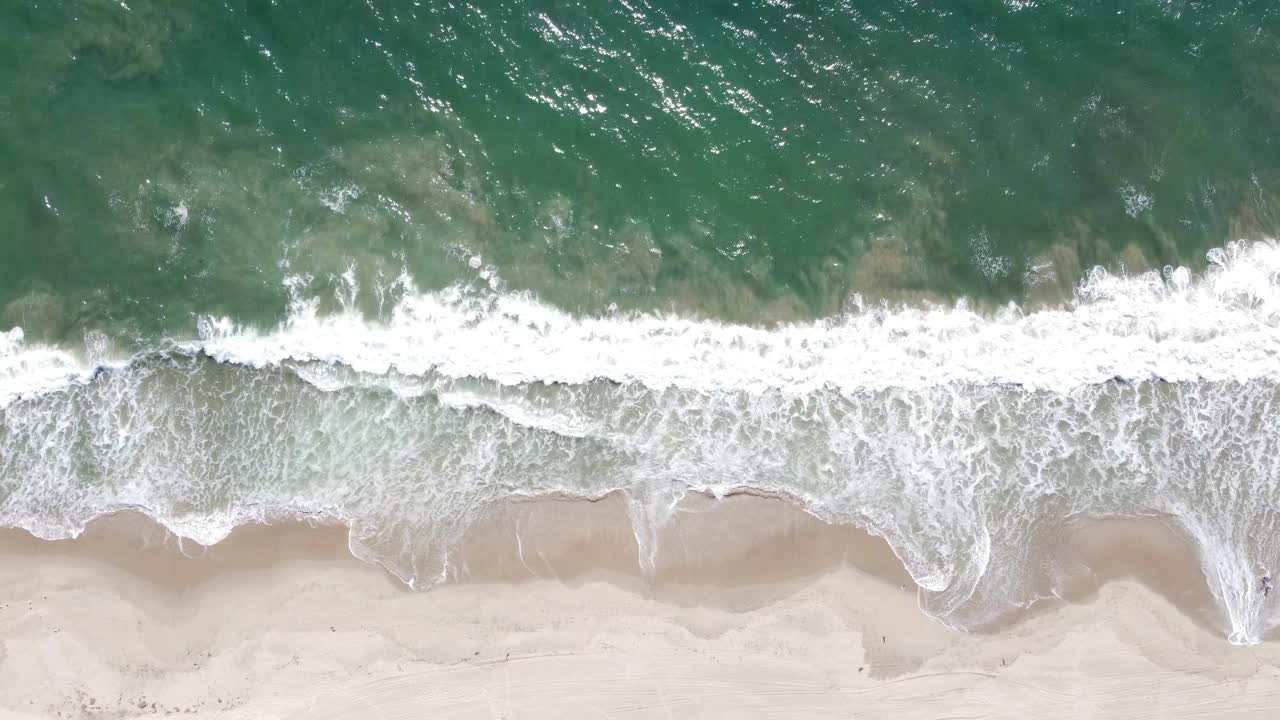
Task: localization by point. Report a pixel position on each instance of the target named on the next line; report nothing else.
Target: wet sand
(752, 608)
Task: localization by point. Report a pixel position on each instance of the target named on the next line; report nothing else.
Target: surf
(956, 434)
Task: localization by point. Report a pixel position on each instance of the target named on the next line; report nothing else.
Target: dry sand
(549, 618)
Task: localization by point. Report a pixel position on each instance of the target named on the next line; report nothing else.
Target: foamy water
(1219, 327)
(957, 435)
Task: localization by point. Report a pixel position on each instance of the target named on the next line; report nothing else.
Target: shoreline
(550, 593)
(588, 535)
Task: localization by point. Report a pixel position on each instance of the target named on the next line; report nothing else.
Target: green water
(752, 161)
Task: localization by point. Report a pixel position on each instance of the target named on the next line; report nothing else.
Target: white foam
(992, 266)
(1221, 325)
(28, 370)
(856, 417)
(336, 198)
(1136, 201)
(520, 413)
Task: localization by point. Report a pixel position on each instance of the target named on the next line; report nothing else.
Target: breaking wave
(958, 435)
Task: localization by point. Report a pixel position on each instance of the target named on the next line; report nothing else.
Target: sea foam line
(1223, 324)
(1220, 325)
(31, 370)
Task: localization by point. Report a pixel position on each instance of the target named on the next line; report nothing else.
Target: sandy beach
(811, 621)
(656, 360)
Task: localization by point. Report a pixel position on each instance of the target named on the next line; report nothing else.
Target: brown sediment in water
(1072, 560)
(764, 543)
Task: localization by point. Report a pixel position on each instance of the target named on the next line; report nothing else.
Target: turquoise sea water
(952, 270)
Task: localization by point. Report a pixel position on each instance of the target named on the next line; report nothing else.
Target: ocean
(953, 272)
